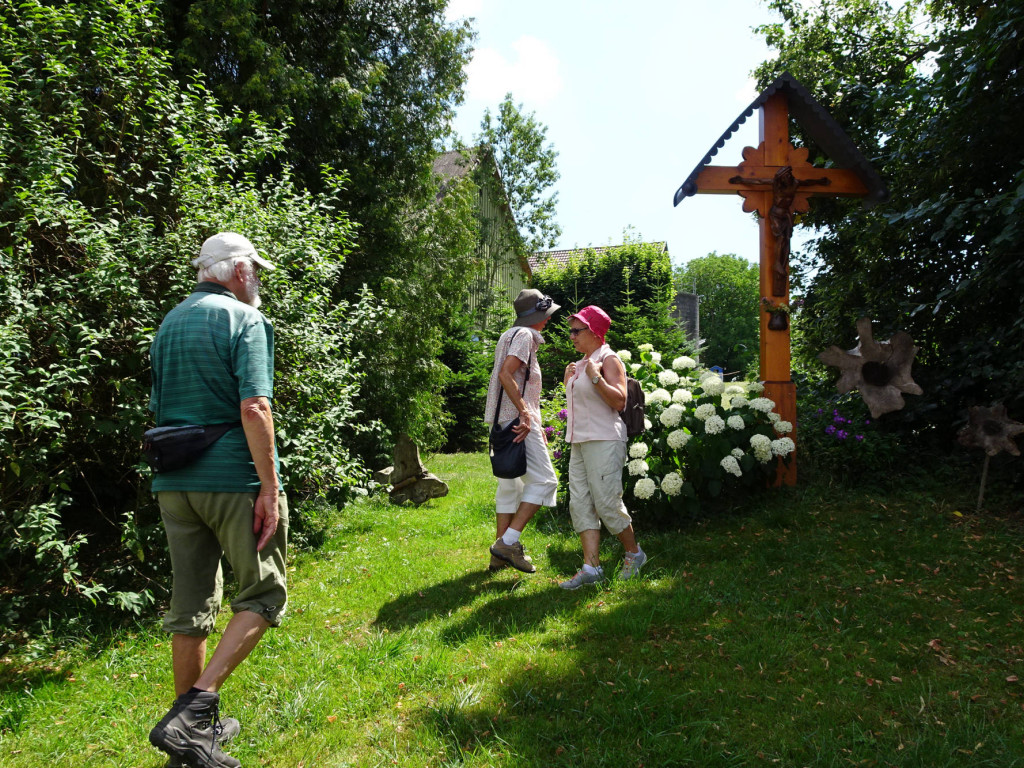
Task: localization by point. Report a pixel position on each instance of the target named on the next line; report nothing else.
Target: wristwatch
(595, 379)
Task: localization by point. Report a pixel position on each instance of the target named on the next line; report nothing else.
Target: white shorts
(595, 486)
(540, 483)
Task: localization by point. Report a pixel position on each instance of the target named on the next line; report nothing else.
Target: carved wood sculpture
(992, 430)
(410, 480)
(776, 180)
(879, 370)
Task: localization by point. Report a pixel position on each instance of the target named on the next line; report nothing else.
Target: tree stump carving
(410, 480)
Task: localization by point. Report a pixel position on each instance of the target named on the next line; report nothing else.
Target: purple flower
(830, 430)
(858, 437)
(563, 414)
(558, 454)
(867, 421)
(549, 431)
(842, 434)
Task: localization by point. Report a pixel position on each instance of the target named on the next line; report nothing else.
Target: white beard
(252, 292)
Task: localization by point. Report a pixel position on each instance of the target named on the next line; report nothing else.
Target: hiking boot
(582, 577)
(189, 732)
(513, 555)
(228, 728)
(631, 565)
(496, 564)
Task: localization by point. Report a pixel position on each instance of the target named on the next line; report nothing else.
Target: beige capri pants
(595, 486)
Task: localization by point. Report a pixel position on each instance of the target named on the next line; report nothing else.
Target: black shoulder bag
(508, 458)
(169, 448)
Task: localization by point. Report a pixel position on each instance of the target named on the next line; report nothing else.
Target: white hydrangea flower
(773, 417)
(644, 488)
(655, 357)
(712, 385)
(646, 347)
(634, 367)
(737, 452)
(678, 438)
(638, 450)
(671, 416)
(757, 387)
(684, 363)
(682, 396)
(762, 447)
(672, 484)
(704, 410)
(760, 441)
(638, 467)
(659, 396)
(668, 378)
(735, 422)
(735, 401)
(735, 389)
(714, 425)
(783, 427)
(647, 423)
(730, 465)
(624, 355)
(762, 404)
(783, 446)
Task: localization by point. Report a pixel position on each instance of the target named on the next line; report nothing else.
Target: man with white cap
(213, 364)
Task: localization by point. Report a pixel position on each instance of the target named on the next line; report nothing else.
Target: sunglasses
(576, 331)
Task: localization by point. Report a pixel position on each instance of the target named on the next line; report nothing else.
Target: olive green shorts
(202, 527)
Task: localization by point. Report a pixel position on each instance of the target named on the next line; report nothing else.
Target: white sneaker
(631, 565)
(582, 577)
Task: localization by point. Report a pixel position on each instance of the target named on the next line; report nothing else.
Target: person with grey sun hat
(212, 365)
(514, 391)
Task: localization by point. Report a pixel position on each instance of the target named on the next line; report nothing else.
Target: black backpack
(633, 414)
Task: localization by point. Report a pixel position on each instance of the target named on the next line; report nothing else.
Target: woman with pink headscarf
(595, 390)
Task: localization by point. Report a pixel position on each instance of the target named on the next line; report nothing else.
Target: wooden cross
(776, 181)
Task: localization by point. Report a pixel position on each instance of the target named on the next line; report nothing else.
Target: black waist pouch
(169, 448)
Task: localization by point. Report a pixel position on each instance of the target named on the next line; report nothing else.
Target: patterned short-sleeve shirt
(522, 343)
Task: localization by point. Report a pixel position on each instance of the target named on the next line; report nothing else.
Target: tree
(527, 169)
(368, 87)
(729, 308)
(938, 113)
(112, 177)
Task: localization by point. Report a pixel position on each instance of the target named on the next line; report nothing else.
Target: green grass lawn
(808, 630)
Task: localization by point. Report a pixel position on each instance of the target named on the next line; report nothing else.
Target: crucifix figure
(780, 217)
(776, 180)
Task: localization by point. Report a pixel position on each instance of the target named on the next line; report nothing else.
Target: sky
(633, 95)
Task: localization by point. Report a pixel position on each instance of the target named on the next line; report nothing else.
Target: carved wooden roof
(821, 128)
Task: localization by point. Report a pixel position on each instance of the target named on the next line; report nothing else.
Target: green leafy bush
(632, 283)
(839, 440)
(112, 177)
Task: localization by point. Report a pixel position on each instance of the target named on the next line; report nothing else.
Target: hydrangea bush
(704, 437)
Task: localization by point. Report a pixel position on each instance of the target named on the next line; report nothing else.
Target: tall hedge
(110, 178)
(631, 282)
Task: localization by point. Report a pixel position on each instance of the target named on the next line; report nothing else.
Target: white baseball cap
(226, 245)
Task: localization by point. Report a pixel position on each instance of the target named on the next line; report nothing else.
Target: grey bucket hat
(532, 306)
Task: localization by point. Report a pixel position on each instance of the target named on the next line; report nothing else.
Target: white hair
(221, 271)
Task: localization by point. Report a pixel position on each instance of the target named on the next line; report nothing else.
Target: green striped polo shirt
(211, 352)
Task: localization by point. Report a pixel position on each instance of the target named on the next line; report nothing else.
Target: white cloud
(531, 76)
(463, 9)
